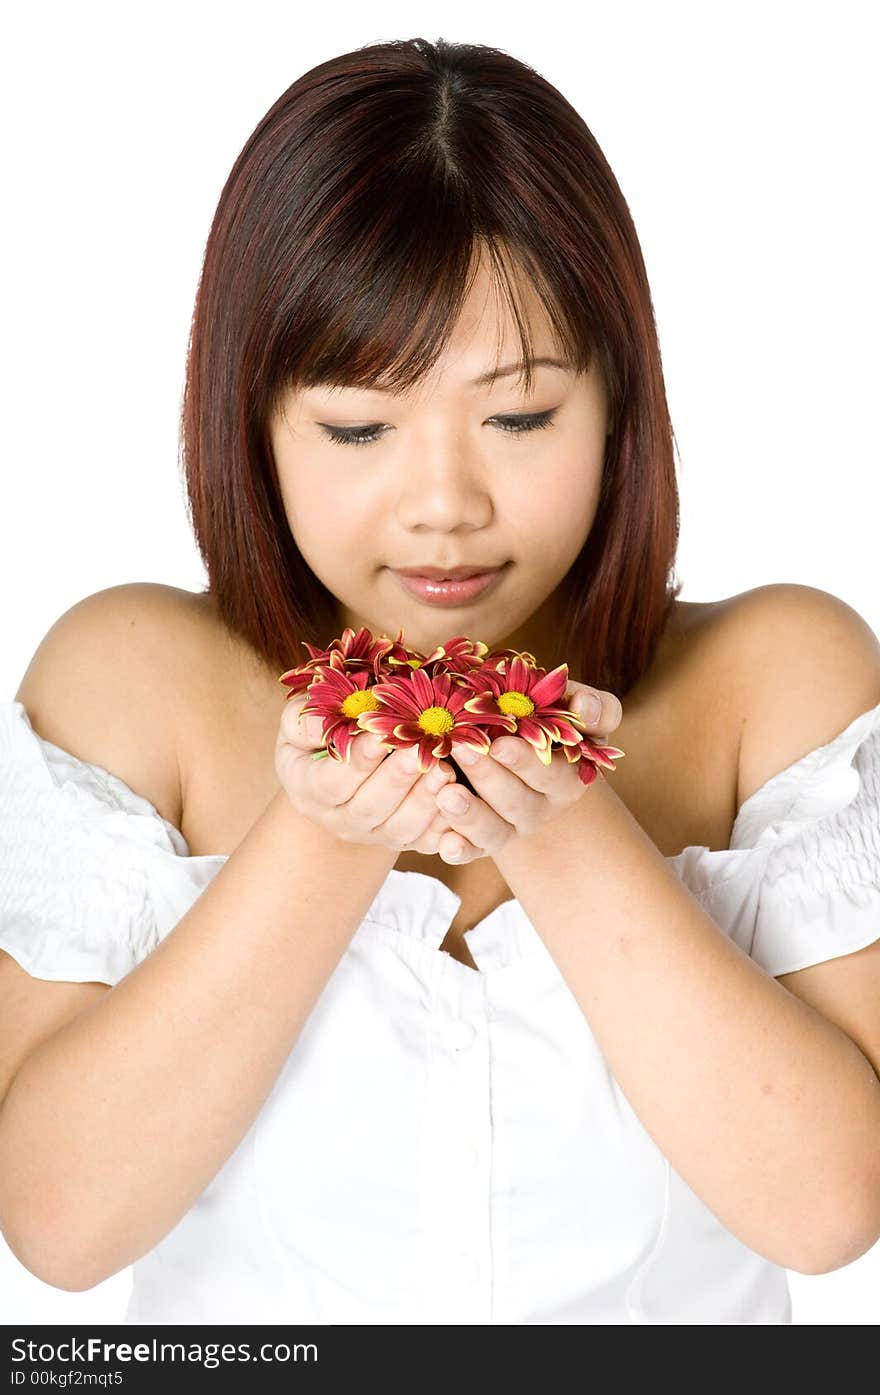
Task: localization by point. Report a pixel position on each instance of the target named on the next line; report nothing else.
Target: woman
(598, 1053)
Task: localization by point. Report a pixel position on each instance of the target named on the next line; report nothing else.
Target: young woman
(299, 1040)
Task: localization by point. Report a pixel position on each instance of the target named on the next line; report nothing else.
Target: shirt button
(458, 1035)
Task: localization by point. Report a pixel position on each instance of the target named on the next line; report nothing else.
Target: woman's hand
(520, 795)
(374, 797)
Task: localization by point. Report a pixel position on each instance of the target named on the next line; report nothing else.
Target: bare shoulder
(802, 663)
(108, 681)
(756, 681)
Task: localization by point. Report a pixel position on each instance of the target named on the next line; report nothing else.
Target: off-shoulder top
(442, 1145)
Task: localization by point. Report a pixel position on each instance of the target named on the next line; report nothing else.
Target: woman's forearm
(114, 1125)
(766, 1109)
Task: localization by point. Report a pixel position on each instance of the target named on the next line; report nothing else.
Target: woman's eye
(518, 426)
(352, 435)
(366, 435)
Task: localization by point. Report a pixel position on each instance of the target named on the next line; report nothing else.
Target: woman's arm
(766, 1109)
(116, 1124)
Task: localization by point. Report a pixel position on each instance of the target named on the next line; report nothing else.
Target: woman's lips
(450, 593)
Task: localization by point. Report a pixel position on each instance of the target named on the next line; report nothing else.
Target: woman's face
(448, 479)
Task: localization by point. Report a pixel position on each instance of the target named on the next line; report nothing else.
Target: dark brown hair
(342, 251)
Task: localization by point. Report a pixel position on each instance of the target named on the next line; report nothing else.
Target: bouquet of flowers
(458, 695)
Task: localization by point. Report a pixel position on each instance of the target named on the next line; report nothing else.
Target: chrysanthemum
(531, 696)
(359, 652)
(459, 655)
(433, 712)
(500, 657)
(458, 695)
(589, 755)
(339, 698)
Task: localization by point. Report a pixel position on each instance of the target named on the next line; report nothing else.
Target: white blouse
(442, 1145)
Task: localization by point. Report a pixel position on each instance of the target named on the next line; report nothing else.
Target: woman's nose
(445, 489)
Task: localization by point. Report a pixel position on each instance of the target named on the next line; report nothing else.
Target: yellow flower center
(516, 704)
(361, 700)
(436, 720)
(414, 663)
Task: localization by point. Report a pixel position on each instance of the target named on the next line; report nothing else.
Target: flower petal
(548, 689)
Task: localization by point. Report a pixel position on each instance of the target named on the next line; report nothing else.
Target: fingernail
(465, 755)
(591, 707)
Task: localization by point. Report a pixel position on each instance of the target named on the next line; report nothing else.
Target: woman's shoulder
(737, 693)
(781, 668)
(802, 664)
(107, 684)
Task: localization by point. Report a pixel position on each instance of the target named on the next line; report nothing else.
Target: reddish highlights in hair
(342, 250)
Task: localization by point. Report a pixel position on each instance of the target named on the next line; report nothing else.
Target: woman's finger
(297, 730)
(519, 758)
(455, 847)
(434, 835)
(332, 782)
(602, 712)
(472, 818)
(407, 824)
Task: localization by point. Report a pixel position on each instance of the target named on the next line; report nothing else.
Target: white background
(744, 138)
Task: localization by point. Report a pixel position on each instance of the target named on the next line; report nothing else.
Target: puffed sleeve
(91, 875)
(800, 883)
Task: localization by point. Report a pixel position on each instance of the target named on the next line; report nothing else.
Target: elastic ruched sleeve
(800, 883)
(91, 875)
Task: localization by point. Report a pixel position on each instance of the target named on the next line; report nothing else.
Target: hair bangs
(389, 326)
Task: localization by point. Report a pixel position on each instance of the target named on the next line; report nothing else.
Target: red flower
(590, 756)
(459, 655)
(339, 698)
(499, 657)
(530, 695)
(358, 651)
(431, 711)
(455, 696)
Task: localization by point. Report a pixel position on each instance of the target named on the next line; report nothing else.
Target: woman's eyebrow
(509, 368)
(490, 376)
